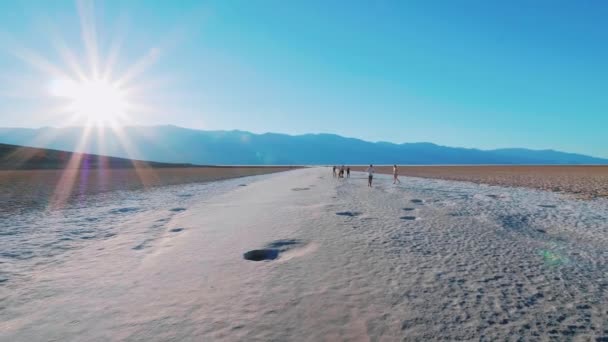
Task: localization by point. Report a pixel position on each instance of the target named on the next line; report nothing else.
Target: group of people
(339, 172)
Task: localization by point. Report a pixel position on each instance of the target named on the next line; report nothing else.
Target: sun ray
(145, 173)
(25, 154)
(18, 86)
(114, 51)
(38, 62)
(69, 58)
(111, 61)
(88, 31)
(65, 185)
(135, 89)
(139, 67)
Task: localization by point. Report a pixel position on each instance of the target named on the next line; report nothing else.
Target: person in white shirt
(370, 175)
(396, 175)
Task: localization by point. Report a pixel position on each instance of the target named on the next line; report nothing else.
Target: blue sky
(483, 74)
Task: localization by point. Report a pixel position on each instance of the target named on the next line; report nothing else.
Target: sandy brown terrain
(23, 189)
(583, 181)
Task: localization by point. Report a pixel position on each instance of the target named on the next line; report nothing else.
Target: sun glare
(94, 92)
(98, 101)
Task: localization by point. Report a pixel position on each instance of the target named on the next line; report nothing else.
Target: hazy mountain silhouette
(20, 157)
(173, 144)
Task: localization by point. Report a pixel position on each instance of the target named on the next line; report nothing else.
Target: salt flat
(424, 260)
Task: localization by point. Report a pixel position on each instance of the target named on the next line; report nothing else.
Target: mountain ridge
(173, 144)
(16, 157)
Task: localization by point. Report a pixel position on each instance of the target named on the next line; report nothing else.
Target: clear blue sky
(483, 74)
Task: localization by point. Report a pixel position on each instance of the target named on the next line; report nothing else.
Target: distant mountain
(14, 157)
(173, 144)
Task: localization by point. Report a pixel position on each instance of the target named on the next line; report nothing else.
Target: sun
(92, 86)
(98, 101)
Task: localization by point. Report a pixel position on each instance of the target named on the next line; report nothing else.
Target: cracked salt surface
(477, 262)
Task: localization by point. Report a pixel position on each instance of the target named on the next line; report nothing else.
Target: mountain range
(172, 144)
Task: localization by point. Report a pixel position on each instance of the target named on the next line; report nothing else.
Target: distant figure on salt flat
(370, 175)
(334, 171)
(342, 171)
(396, 175)
(348, 172)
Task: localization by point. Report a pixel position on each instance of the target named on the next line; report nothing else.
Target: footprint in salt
(142, 245)
(281, 249)
(261, 254)
(348, 213)
(124, 210)
(408, 218)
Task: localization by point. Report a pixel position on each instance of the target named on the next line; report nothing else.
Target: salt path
(302, 256)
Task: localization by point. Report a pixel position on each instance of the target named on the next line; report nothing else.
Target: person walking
(348, 172)
(396, 175)
(370, 175)
(334, 171)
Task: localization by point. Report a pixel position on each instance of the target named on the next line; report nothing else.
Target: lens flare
(553, 258)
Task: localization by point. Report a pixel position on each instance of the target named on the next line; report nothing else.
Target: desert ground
(22, 190)
(581, 181)
(303, 256)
